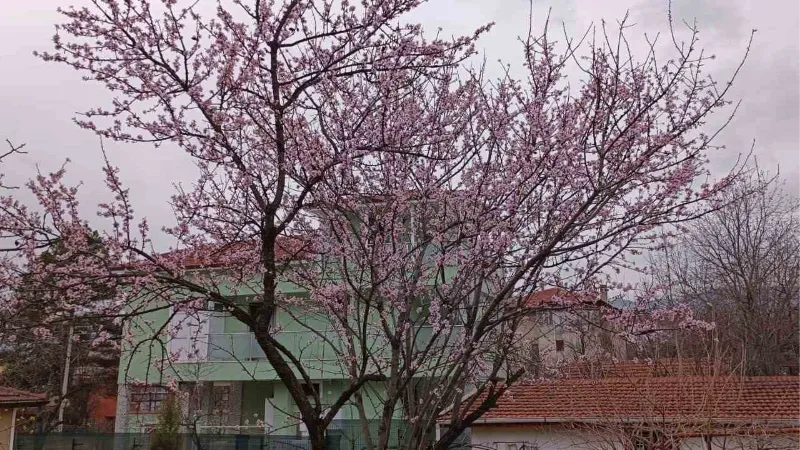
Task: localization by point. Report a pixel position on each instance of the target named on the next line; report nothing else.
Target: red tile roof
(706, 398)
(642, 369)
(14, 397)
(219, 255)
(557, 297)
(286, 247)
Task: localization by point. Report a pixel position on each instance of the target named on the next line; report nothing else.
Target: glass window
(146, 399)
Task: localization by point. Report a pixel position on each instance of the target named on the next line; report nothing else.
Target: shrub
(166, 435)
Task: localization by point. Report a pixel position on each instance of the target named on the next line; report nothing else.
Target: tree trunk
(317, 438)
(362, 414)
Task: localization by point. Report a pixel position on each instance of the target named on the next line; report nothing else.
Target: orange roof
(684, 398)
(14, 397)
(218, 255)
(640, 369)
(558, 297)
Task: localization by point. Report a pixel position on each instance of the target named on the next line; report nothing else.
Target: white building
(564, 327)
(722, 412)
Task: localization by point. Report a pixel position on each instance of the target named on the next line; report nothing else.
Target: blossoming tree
(349, 153)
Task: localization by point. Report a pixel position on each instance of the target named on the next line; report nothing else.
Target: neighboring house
(227, 384)
(102, 411)
(651, 413)
(12, 401)
(35, 366)
(564, 326)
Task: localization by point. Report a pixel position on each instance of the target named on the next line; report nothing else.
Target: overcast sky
(39, 99)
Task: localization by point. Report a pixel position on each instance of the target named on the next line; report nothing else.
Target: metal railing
(347, 435)
(323, 345)
(234, 347)
(244, 347)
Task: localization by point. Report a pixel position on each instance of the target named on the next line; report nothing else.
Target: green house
(227, 386)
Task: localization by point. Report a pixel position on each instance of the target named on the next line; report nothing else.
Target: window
(191, 390)
(309, 390)
(546, 318)
(221, 400)
(516, 446)
(559, 345)
(269, 414)
(146, 399)
(535, 360)
(255, 308)
(457, 316)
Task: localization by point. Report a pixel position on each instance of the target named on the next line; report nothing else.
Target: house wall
(140, 357)
(6, 428)
(777, 442)
(560, 437)
(578, 336)
(534, 436)
(102, 410)
(248, 404)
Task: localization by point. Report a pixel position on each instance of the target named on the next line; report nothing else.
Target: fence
(346, 437)
(132, 441)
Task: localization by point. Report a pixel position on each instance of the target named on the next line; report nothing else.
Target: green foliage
(166, 435)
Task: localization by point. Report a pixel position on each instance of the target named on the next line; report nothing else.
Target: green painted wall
(255, 394)
(260, 380)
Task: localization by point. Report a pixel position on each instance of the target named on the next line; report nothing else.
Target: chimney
(604, 293)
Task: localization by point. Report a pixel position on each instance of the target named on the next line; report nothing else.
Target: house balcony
(307, 345)
(244, 347)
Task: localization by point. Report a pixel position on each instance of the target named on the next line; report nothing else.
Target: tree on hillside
(345, 151)
(740, 267)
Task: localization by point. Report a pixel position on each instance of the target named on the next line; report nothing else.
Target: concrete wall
(533, 436)
(556, 437)
(579, 337)
(121, 424)
(779, 442)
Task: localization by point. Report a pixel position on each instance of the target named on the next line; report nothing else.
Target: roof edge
(513, 420)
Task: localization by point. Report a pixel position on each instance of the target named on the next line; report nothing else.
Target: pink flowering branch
(415, 200)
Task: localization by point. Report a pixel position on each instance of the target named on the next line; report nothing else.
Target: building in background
(563, 327)
(226, 384)
(12, 402)
(712, 412)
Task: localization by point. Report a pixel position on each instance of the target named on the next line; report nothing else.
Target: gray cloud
(40, 99)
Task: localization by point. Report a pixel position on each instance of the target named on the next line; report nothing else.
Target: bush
(166, 435)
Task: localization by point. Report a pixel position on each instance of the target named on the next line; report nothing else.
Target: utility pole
(65, 381)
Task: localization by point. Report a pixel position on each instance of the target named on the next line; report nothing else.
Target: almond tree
(343, 150)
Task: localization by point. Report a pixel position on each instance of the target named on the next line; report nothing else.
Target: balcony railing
(306, 344)
(234, 347)
(244, 347)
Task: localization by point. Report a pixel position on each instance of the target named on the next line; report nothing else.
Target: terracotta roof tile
(213, 256)
(552, 297)
(11, 396)
(698, 398)
(642, 369)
